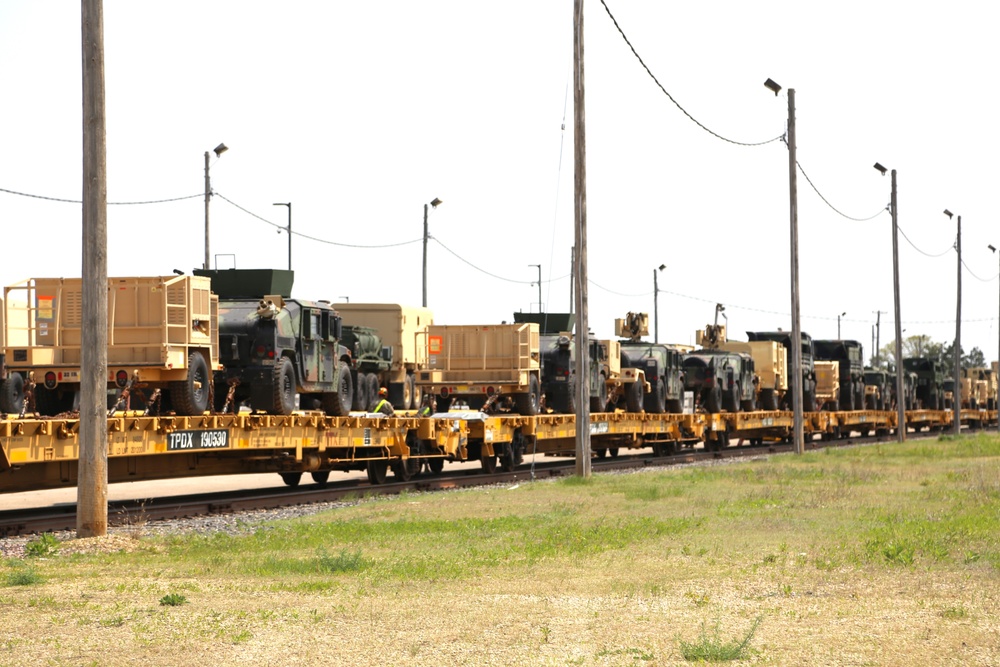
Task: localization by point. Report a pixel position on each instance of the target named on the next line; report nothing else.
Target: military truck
(909, 390)
(720, 380)
(612, 385)
(274, 346)
(808, 365)
(480, 363)
(851, 356)
(162, 335)
(984, 386)
(769, 357)
(878, 390)
(385, 346)
(661, 365)
(930, 380)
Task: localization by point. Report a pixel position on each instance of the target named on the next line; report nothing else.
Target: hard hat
(383, 391)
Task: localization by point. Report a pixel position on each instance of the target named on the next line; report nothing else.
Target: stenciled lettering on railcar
(188, 440)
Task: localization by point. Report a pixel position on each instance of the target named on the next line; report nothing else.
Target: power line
(671, 97)
(971, 273)
(918, 249)
(832, 207)
(313, 238)
(110, 203)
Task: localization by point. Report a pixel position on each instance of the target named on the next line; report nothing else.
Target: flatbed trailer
(44, 453)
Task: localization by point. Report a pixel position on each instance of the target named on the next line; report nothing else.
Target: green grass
(615, 569)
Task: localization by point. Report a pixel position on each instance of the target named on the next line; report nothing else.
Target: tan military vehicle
(770, 360)
(827, 386)
(162, 334)
(397, 356)
(481, 364)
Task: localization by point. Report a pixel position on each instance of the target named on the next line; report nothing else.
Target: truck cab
(274, 347)
(808, 364)
(720, 380)
(850, 354)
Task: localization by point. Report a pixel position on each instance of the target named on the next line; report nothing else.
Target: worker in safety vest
(383, 405)
(428, 407)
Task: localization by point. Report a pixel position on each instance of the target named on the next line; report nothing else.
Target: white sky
(360, 112)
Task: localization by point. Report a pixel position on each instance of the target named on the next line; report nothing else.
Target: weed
(342, 562)
(46, 545)
(545, 633)
(242, 636)
(698, 599)
(172, 600)
(634, 653)
(135, 523)
(23, 576)
(710, 647)
(954, 613)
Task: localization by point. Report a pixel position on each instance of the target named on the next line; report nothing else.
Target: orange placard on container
(434, 344)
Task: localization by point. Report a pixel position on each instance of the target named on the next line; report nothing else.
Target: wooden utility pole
(900, 398)
(92, 485)
(798, 428)
(580, 265)
(956, 394)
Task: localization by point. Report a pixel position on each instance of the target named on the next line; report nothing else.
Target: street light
(656, 304)
(219, 150)
(838, 324)
(539, 267)
(956, 396)
(434, 204)
(796, 361)
(900, 398)
(289, 228)
(992, 249)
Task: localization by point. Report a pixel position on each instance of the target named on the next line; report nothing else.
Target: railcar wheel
(12, 394)
(291, 478)
(339, 403)
(435, 465)
(489, 464)
(401, 470)
(613, 451)
(601, 452)
(321, 477)
(190, 396)
(376, 471)
(508, 460)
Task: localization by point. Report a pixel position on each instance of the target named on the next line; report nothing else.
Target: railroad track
(120, 513)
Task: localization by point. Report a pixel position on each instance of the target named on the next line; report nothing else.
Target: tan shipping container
(398, 327)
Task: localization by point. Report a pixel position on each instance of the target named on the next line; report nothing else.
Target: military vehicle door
(312, 345)
(330, 334)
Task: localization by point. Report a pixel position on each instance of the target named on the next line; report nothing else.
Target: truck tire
(282, 388)
(847, 399)
(749, 405)
(809, 401)
(599, 403)
(338, 403)
(408, 403)
(655, 400)
(528, 404)
(768, 399)
(373, 387)
(417, 393)
(633, 397)
(12, 394)
(360, 400)
(859, 395)
(564, 402)
(675, 406)
(190, 396)
(731, 399)
(713, 400)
